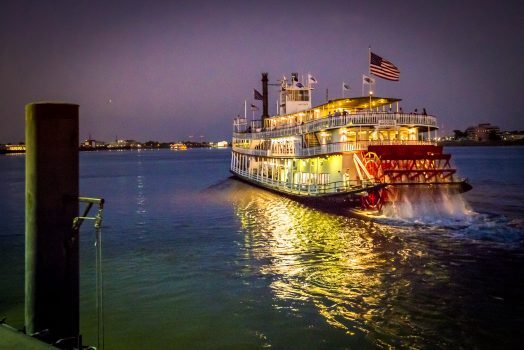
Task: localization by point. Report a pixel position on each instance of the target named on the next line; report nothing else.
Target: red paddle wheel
(373, 200)
(373, 165)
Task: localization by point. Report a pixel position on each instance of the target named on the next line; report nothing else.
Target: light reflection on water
(345, 267)
(383, 284)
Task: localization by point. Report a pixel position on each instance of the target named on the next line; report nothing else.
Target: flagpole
(245, 109)
(369, 61)
(369, 70)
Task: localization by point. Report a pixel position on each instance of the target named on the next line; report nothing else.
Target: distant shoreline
(120, 149)
(441, 143)
(480, 144)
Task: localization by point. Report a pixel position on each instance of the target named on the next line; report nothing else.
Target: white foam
(436, 207)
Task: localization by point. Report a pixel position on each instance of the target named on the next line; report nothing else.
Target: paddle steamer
(360, 152)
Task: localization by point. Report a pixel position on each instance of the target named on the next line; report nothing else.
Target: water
(193, 259)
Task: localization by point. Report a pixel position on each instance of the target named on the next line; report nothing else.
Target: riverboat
(356, 152)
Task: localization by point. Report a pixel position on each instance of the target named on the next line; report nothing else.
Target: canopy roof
(358, 102)
(349, 103)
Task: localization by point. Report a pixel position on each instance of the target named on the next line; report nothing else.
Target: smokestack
(265, 110)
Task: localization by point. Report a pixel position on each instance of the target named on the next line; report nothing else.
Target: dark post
(265, 110)
(51, 204)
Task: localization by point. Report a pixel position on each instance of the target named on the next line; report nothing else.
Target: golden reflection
(320, 258)
(349, 269)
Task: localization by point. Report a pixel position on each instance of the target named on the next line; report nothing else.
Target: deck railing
(312, 189)
(327, 148)
(367, 119)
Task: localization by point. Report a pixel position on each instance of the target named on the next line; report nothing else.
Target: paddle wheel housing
(402, 165)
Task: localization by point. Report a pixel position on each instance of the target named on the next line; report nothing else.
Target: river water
(196, 260)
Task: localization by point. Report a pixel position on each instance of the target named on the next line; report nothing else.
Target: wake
(452, 213)
(424, 207)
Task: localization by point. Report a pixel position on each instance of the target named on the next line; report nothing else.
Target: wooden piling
(51, 204)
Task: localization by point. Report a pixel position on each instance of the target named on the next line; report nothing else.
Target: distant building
(124, 144)
(222, 144)
(513, 135)
(483, 132)
(92, 144)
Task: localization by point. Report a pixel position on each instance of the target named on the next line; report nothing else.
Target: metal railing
(327, 148)
(97, 220)
(312, 189)
(368, 119)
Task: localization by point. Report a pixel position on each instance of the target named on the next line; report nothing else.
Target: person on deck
(346, 179)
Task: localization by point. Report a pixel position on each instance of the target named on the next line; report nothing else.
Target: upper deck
(368, 111)
(289, 127)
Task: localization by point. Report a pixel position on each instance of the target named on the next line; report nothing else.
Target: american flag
(383, 68)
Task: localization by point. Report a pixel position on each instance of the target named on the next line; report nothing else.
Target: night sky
(168, 70)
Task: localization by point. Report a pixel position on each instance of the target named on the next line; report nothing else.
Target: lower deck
(353, 173)
(314, 176)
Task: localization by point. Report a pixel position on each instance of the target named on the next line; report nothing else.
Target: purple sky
(165, 70)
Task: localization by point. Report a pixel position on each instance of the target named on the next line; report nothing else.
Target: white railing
(355, 146)
(328, 148)
(313, 189)
(253, 152)
(368, 119)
